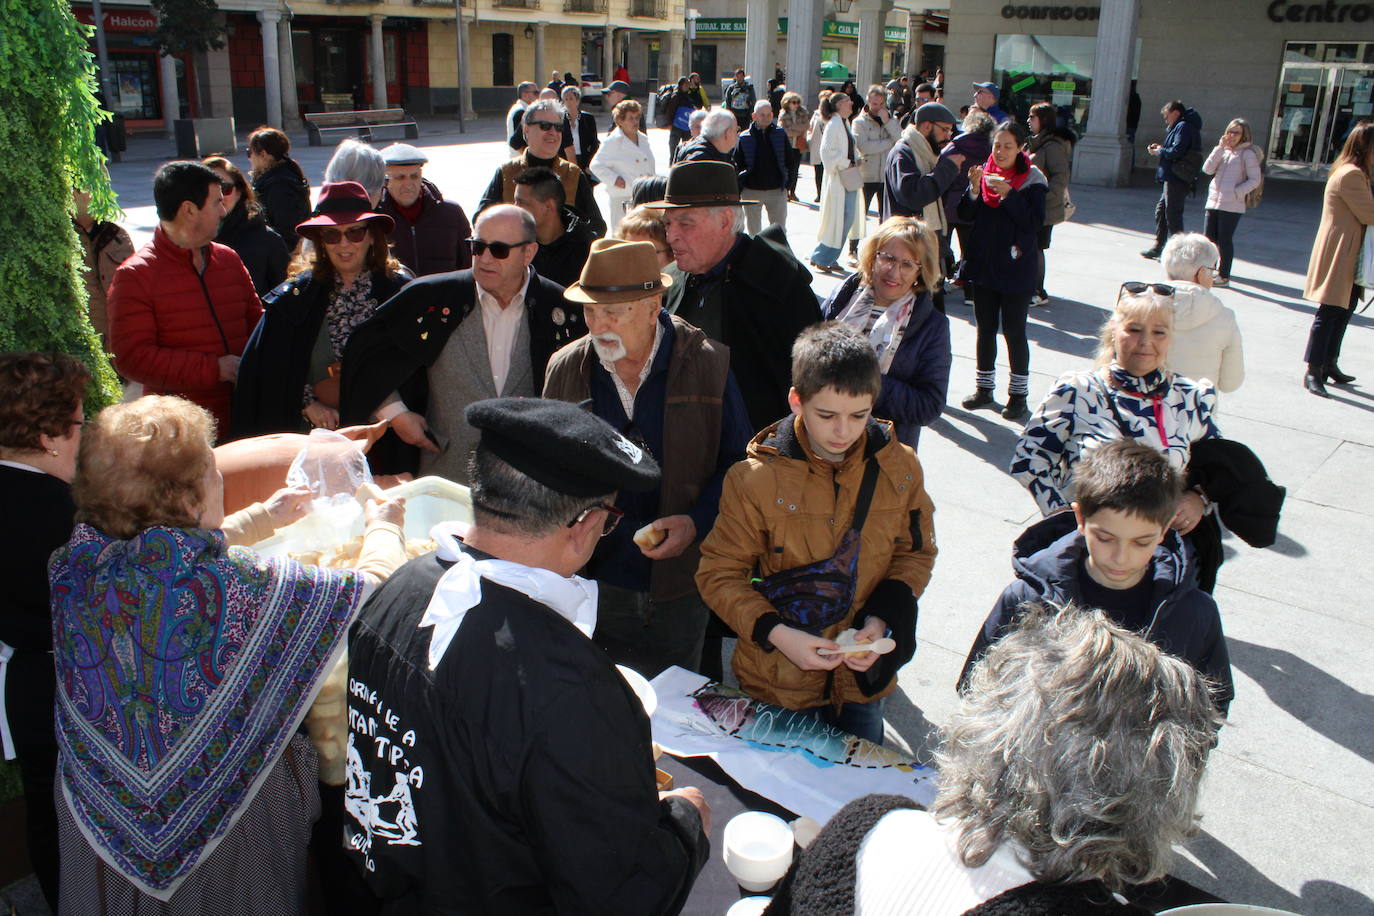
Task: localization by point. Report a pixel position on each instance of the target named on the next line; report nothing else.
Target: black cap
(567, 449)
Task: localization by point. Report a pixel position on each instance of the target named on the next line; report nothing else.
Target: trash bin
(117, 134)
(198, 137)
(184, 132)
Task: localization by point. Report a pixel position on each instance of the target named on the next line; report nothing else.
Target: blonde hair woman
(1236, 170)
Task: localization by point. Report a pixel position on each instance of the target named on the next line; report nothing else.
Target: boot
(1334, 374)
(981, 397)
(1016, 408)
(1312, 381)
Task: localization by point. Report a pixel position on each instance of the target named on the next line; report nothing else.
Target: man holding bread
(669, 388)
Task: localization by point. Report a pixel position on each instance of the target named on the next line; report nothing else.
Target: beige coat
(1347, 207)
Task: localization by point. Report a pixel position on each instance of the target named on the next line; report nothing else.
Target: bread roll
(650, 537)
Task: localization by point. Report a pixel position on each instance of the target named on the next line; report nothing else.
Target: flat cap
(934, 111)
(567, 449)
(403, 154)
(619, 86)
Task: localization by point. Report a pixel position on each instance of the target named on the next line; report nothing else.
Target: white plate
(642, 688)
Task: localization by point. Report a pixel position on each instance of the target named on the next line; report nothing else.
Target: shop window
(1048, 68)
(1325, 89)
(502, 59)
(704, 62)
(136, 86)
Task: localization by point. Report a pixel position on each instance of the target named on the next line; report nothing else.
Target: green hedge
(48, 115)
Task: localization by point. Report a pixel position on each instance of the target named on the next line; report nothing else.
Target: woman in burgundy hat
(288, 379)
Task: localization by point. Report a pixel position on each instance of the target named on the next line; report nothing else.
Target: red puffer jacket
(170, 325)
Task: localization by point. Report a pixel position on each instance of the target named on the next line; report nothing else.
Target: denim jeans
(862, 719)
(1169, 210)
(826, 256)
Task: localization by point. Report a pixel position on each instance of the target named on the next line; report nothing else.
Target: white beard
(609, 353)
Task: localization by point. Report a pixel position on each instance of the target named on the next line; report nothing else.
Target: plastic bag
(332, 467)
(1364, 267)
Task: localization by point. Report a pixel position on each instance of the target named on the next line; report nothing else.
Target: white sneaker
(1222, 281)
(1039, 300)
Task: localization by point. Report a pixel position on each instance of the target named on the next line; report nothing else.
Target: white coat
(621, 157)
(1206, 341)
(873, 141)
(835, 158)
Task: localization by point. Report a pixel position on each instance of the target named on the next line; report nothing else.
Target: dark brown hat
(703, 183)
(619, 271)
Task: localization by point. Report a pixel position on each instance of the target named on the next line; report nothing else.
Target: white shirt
(627, 397)
(501, 326)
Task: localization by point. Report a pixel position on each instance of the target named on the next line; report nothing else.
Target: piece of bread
(650, 537)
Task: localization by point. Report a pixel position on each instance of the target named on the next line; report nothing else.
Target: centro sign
(1080, 13)
(1330, 11)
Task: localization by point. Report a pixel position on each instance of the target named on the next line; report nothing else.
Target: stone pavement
(1287, 808)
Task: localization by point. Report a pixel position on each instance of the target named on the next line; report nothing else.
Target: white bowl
(758, 849)
(648, 697)
(748, 906)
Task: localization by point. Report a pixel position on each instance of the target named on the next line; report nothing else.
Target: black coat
(562, 259)
(284, 194)
(258, 245)
(438, 240)
(1246, 499)
(271, 380)
(1185, 621)
(586, 127)
(701, 150)
(536, 791)
(1005, 242)
(766, 302)
(393, 350)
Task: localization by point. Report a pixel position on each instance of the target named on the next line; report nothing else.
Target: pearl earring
(53, 452)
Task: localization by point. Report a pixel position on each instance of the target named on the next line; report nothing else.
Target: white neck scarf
(460, 590)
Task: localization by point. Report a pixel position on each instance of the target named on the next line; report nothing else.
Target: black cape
(517, 777)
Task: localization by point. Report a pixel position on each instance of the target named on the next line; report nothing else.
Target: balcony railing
(437, 2)
(584, 6)
(517, 4)
(649, 9)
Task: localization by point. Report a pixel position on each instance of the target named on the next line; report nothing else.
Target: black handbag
(820, 594)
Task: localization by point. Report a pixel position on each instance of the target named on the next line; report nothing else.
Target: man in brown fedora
(660, 381)
(748, 292)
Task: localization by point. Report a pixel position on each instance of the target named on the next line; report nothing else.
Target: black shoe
(1151, 253)
(1016, 408)
(981, 397)
(1314, 385)
(1334, 374)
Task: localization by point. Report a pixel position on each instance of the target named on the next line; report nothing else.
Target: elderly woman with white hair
(354, 160)
(1207, 341)
(1130, 394)
(1068, 774)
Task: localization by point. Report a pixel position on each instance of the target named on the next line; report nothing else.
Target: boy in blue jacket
(1122, 557)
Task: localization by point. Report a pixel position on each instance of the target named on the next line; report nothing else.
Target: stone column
(464, 67)
(171, 101)
(290, 101)
(915, 45)
(271, 65)
(539, 70)
(608, 55)
(870, 65)
(760, 39)
(378, 63)
(670, 65)
(804, 48)
(1103, 156)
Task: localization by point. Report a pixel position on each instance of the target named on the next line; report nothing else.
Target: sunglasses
(227, 187)
(499, 250)
(613, 517)
(335, 236)
(1135, 288)
(546, 125)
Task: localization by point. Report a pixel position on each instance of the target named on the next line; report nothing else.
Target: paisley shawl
(184, 667)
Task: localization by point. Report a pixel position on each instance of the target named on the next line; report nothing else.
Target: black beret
(562, 446)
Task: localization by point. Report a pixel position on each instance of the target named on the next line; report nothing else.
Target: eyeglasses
(499, 250)
(1215, 270)
(613, 517)
(335, 236)
(546, 125)
(1135, 288)
(227, 187)
(884, 259)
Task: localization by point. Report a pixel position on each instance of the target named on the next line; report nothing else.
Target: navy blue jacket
(787, 159)
(1185, 620)
(1184, 137)
(1003, 252)
(917, 382)
(906, 190)
(617, 559)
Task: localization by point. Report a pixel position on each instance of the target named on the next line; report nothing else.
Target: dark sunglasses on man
(499, 250)
(1135, 288)
(546, 125)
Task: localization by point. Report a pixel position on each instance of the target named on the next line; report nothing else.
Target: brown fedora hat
(619, 271)
(703, 183)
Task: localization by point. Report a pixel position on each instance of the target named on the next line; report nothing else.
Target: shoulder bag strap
(870, 482)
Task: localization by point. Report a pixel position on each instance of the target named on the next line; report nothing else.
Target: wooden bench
(361, 122)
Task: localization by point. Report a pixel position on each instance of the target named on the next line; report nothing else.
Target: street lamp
(842, 6)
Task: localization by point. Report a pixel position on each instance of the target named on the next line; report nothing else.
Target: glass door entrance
(1325, 89)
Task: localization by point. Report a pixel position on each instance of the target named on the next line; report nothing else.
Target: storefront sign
(120, 20)
(730, 27)
(1330, 11)
(1080, 13)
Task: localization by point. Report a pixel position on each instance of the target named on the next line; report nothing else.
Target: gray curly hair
(1083, 744)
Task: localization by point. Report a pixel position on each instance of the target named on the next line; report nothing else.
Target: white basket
(429, 500)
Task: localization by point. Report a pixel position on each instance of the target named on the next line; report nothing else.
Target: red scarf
(1013, 177)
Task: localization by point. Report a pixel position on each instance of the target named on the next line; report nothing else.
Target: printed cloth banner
(789, 757)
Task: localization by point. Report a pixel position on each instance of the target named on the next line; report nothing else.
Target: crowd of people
(668, 440)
